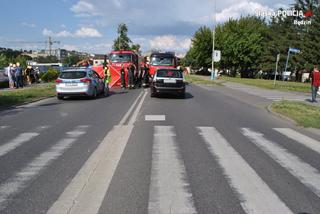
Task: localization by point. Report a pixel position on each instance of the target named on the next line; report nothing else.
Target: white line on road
(307, 174)
(88, 188)
(304, 140)
(254, 194)
(169, 188)
(21, 178)
(126, 116)
(4, 127)
(155, 117)
(16, 142)
(137, 110)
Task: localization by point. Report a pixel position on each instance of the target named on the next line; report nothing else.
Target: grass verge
(196, 79)
(13, 97)
(268, 84)
(305, 115)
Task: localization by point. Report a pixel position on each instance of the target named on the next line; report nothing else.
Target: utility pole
(213, 38)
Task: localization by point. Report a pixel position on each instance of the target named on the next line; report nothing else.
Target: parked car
(168, 81)
(286, 75)
(79, 82)
(4, 81)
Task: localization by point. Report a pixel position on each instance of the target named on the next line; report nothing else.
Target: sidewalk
(274, 95)
(26, 86)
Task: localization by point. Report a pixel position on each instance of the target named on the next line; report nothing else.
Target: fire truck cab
(159, 60)
(118, 58)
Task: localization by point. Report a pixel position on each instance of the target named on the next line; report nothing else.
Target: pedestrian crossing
(170, 189)
(21, 178)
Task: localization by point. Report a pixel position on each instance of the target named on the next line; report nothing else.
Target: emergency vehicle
(116, 59)
(162, 60)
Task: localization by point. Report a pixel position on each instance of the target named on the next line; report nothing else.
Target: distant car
(286, 75)
(4, 80)
(79, 82)
(168, 81)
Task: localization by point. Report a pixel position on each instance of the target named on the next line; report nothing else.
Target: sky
(91, 25)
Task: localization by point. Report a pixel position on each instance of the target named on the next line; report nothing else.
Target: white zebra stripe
(254, 194)
(307, 174)
(168, 188)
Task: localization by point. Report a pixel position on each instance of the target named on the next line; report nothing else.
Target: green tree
(48, 59)
(122, 42)
(3, 60)
(199, 55)
(72, 59)
(22, 59)
(241, 44)
(136, 48)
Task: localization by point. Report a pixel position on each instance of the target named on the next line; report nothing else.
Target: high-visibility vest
(107, 75)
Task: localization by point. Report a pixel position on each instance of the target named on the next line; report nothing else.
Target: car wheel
(60, 97)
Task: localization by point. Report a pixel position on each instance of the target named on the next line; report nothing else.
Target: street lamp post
(213, 38)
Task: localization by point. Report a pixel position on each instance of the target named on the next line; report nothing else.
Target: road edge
(314, 131)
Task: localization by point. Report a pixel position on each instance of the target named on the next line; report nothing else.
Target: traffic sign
(294, 50)
(217, 56)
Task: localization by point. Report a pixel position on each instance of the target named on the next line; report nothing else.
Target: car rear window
(169, 73)
(73, 74)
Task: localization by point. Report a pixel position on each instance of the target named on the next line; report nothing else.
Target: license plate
(169, 81)
(71, 84)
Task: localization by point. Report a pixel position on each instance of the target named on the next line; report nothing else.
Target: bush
(50, 76)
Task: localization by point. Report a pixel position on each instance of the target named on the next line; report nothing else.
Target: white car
(79, 82)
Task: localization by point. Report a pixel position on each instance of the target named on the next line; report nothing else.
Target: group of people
(136, 77)
(19, 77)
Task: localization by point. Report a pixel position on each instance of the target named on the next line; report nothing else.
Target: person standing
(19, 76)
(13, 75)
(315, 83)
(107, 79)
(131, 72)
(9, 74)
(123, 77)
(28, 74)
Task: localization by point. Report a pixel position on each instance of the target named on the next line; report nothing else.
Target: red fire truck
(162, 60)
(116, 59)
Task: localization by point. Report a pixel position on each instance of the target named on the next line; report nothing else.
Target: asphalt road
(217, 151)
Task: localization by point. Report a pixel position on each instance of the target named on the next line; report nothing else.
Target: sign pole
(213, 38)
(276, 72)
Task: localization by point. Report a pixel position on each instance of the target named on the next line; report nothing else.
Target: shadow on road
(171, 96)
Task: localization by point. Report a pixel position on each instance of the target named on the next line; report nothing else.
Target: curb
(269, 109)
(25, 103)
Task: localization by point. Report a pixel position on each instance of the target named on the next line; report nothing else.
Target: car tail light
(86, 80)
(58, 81)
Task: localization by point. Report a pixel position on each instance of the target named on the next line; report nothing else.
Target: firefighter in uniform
(123, 77)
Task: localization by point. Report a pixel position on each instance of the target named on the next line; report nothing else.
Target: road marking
(21, 178)
(4, 127)
(254, 194)
(16, 142)
(155, 117)
(169, 188)
(89, 186)
(307, 174)
(137, 110)
(126, 116)
(300, 138)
